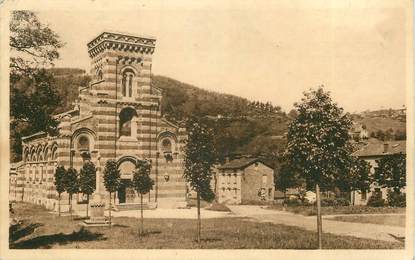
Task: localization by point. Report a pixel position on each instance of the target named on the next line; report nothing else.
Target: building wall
(245, 185)
(257, 184)
(96, 116)
(361, 198)
(229, 186)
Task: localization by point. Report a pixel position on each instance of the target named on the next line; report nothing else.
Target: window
(41, 174)
(128, 118)
(99, 75)
(166, 145)
(364, 195)
(127, 83)
(83, 143)
(264, 179)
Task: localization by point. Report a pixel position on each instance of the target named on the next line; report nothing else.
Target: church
(118, 116)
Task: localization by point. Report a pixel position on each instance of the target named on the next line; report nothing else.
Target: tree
(318, 143)
(356, 176)
(112, 180)
(33, 99)
(32, 43)
(87, 181)
(142, 183)
(286, 178)
(59, 182)
(72, 185)
(198, 160)
(391, 172)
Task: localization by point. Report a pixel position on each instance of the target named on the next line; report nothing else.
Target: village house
(371, 152)
(118, 116)
(243, 181)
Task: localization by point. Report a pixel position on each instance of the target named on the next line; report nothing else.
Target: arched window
(99, 75)
(128, 118)
(83, 143)
(54, 154)
(166, 145)
(127, 82)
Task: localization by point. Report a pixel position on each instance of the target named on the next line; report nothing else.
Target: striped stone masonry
(116, 117)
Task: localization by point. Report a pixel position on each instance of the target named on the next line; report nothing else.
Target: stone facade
(118, 116)
(371, 152)
(244, 181)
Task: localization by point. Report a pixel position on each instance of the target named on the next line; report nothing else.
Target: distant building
(359, 132)
(371, 152)
(243, 181)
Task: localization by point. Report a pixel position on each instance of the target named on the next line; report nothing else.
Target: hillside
(241, 126)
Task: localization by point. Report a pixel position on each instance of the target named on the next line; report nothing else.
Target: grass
(52, 231)
(339, 210)
(398, 220)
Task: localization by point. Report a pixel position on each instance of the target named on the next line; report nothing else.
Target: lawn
(46, 230)
(398, 220)
(338, 210)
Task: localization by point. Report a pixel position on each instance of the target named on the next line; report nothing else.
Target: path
(362, 230)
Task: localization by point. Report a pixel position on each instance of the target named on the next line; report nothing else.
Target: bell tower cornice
(121, 42)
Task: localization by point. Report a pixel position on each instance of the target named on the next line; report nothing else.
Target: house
(372, 151)
(118, 116)
(243, 181)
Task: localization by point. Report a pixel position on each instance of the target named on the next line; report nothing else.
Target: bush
(293, 202)
(334, 202)
(396, 199)
(376, 200)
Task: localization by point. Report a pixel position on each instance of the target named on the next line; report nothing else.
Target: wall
(253, 181)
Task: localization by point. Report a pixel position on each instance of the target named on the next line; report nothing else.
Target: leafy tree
(391, 172)
(59, 183)
(356, 176)
(198, 160)
(318, 142)
(112, 180)
(71, 185)
(286, 178)
(142, 183)
(32, 43)
(87, 181)
(33, 46)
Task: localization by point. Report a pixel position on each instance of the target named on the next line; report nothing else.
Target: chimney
(385, 147)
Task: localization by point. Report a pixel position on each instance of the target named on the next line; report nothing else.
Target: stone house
(372, 151)
(244, 181)
(118, 116)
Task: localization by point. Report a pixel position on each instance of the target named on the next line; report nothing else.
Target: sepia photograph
(249, 126)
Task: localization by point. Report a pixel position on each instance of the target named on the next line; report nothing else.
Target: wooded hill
(241, 126)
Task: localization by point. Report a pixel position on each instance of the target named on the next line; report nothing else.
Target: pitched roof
(239, 163)
(378, 148)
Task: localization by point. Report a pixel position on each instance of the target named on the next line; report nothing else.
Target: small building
(371, 152)
(244, 181)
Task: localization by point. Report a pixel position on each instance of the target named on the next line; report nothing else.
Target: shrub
(342, 202)
(293, 202)
(376, 200)
(396, 199)
(334, 202)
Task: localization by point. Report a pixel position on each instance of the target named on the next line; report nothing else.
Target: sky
(264, 51)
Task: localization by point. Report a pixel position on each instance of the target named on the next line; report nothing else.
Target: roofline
(33, 135)
(143, 36)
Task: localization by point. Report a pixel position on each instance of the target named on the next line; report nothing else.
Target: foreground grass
(398, 220)
(225, 233)
(338, 210)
